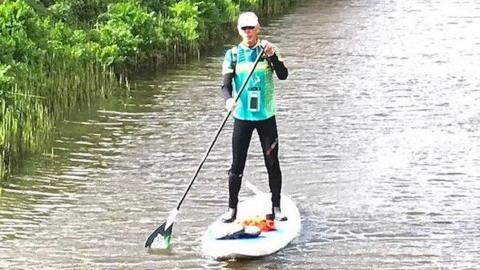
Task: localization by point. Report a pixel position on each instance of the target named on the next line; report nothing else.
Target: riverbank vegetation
(59, 55)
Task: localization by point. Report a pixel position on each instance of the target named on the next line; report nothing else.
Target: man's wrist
(273, 57)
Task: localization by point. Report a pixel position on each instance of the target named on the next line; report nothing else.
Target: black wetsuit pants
(242, 135)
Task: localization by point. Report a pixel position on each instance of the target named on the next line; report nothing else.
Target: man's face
(248, 34)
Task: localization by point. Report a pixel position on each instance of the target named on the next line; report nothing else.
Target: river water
(379, 146)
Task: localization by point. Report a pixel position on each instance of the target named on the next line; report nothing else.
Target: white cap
(247, 19)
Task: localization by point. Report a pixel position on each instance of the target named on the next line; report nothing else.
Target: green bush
(129, 28)
(185, 22)
(22, 38)
(5, 78)
(160, 7)
(79, 12)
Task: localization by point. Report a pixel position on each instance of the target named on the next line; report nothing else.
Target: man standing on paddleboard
(254, 109)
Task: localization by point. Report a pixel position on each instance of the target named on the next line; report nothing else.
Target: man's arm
(274, 61)
(280, 68)
(227, 87)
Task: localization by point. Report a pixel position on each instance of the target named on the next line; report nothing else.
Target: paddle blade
(160, 238)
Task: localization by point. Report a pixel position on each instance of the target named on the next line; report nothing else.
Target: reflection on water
(379, 147)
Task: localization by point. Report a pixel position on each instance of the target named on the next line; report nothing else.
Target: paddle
(164, 231)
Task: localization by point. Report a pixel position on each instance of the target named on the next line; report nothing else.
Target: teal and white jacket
(257, 101)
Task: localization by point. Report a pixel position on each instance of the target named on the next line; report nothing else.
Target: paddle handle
(219, 130)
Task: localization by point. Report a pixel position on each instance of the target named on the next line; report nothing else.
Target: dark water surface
(379, 139)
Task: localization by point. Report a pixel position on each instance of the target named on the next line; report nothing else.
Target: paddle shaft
(218, 131)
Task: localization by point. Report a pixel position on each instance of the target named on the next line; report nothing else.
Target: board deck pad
(266, 243)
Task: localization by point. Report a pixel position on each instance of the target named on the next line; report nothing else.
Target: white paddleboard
(266, 243)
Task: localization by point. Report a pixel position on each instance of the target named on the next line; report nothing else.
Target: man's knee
(232, 176)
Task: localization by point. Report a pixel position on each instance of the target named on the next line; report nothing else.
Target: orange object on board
(265, 225)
